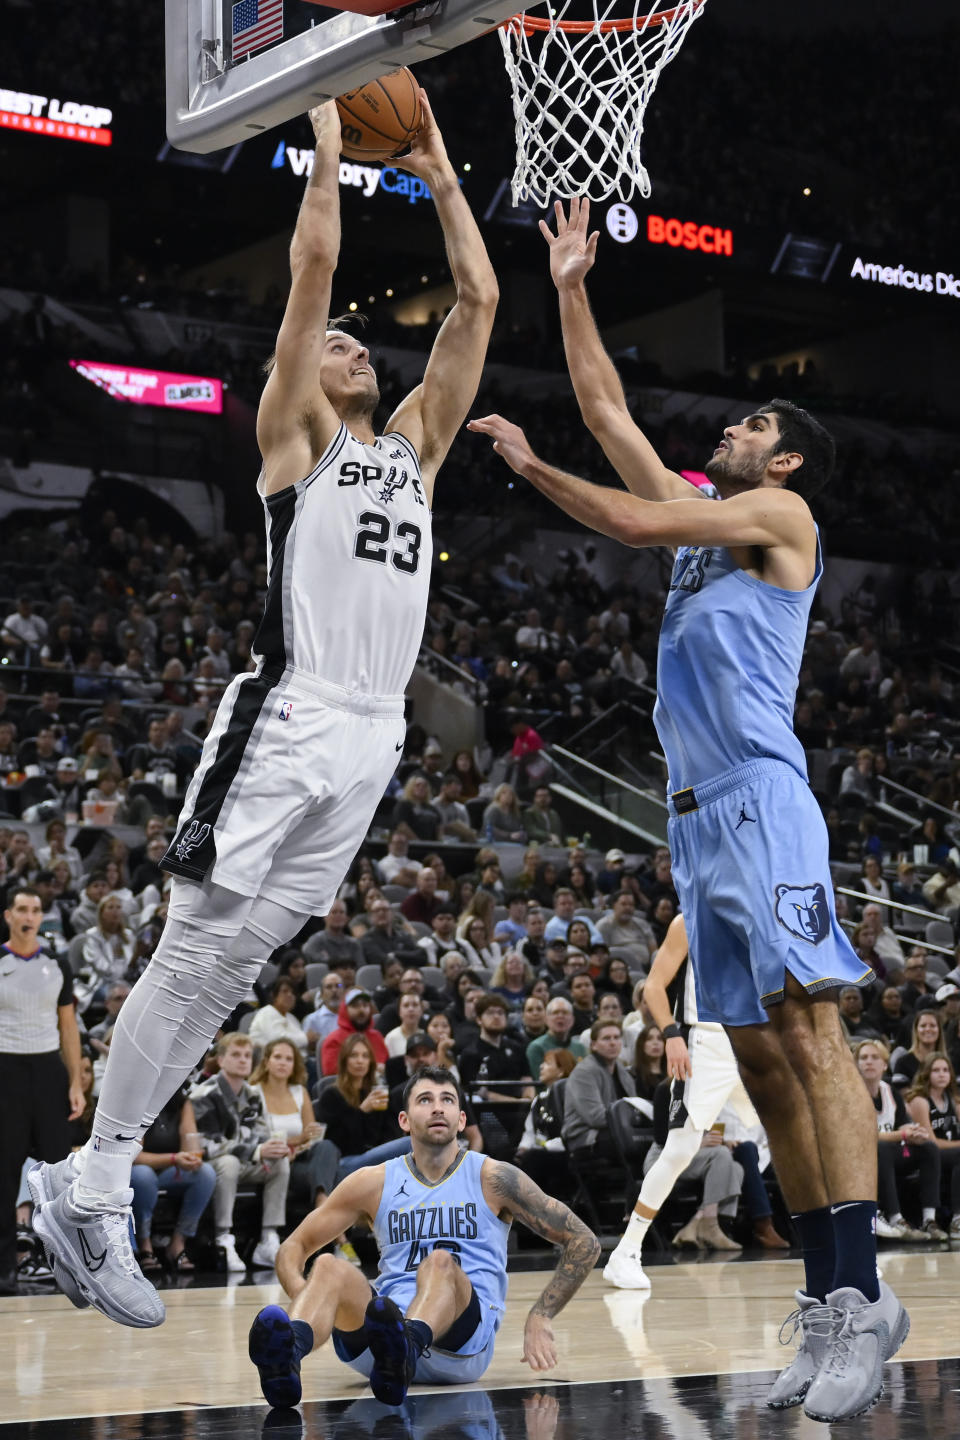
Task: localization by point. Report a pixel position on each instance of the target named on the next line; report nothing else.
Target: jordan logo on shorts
(744, 816)
(803, 910)
(194, 835)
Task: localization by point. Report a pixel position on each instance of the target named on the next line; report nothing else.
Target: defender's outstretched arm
(595, 380)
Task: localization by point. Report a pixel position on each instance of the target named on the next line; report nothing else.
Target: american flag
(255, 23)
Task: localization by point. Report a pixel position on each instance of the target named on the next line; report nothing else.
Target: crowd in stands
(468, 929)
(517, 986)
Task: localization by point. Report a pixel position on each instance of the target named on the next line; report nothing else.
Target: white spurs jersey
(349, 551)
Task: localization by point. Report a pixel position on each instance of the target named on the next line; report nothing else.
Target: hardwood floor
(707, 1318)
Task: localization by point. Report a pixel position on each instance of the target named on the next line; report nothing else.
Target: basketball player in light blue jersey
(748, 842)
(440, 1217)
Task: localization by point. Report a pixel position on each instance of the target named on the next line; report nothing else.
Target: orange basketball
(381, 118)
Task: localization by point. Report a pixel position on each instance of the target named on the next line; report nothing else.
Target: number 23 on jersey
(375, 542)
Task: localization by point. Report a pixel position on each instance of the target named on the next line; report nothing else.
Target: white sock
(897, 1219)
(225, 1237)
(106, 1166)
(631, 1241)
(930, 1214)
(268, 1233)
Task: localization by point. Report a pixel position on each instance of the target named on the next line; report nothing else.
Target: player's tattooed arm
(511, 1192)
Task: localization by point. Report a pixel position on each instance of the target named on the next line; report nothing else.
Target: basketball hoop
(580, 89)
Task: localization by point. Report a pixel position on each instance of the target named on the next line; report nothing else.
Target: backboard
(214, 100)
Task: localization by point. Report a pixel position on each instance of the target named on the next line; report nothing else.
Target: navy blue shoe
(272, 1348)
(394, 1352)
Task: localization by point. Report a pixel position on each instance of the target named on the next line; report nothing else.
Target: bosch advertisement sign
(624, 225)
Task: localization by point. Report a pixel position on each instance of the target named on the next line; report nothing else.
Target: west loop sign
(65, 119)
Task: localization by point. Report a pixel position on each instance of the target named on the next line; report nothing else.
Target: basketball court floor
(689, 1360)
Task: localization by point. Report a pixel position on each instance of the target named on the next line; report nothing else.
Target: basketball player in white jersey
(703, 1070)
(303, 748)
(440, 1217)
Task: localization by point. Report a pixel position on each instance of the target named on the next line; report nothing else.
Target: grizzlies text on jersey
(415, 1218)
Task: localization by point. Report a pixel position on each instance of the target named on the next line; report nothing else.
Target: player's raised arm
(769, 517)
(510, 1192)
(295, 422)
(433, 413)
(355, 1197)
(595, 380)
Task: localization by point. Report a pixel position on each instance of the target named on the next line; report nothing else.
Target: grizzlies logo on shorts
(803, 910)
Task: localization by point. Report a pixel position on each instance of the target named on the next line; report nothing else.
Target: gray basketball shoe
(93, 1248)
(867, 1334)
(816, 1324)
(46, 1182)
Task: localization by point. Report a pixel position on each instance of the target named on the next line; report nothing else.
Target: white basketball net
(579, 99)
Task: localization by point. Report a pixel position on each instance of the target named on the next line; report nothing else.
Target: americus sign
(939, 282)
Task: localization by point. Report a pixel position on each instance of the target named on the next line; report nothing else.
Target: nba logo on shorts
(286, 710)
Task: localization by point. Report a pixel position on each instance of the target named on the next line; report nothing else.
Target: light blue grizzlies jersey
(414, 1218)
(727, 666)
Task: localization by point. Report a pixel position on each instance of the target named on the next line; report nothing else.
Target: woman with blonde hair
(482, 953)
(480, 906)
(902, 1149)
(512, 978)
(413, 814)
(108, 950)
(115, 872)
(926, 1039)
(281, 1079)
(933, 1101)
(56, 850)
(502, 821)
(410, 1009)
(97, 753)
(525, 881)
(633, 1023)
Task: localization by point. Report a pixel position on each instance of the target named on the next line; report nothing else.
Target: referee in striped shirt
(39, 1061)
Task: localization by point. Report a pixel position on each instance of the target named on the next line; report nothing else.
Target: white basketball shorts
(288, 782)
(714, 1082)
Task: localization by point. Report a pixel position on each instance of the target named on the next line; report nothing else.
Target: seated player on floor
(441, 1217)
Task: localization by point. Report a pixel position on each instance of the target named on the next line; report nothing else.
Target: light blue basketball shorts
(750, 867)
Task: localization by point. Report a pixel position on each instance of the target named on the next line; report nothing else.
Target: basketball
(381, 118)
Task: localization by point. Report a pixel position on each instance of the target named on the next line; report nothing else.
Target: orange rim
(532, 24)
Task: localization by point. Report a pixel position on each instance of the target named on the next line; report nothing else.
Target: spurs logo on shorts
(194, 836)
(803, 910)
